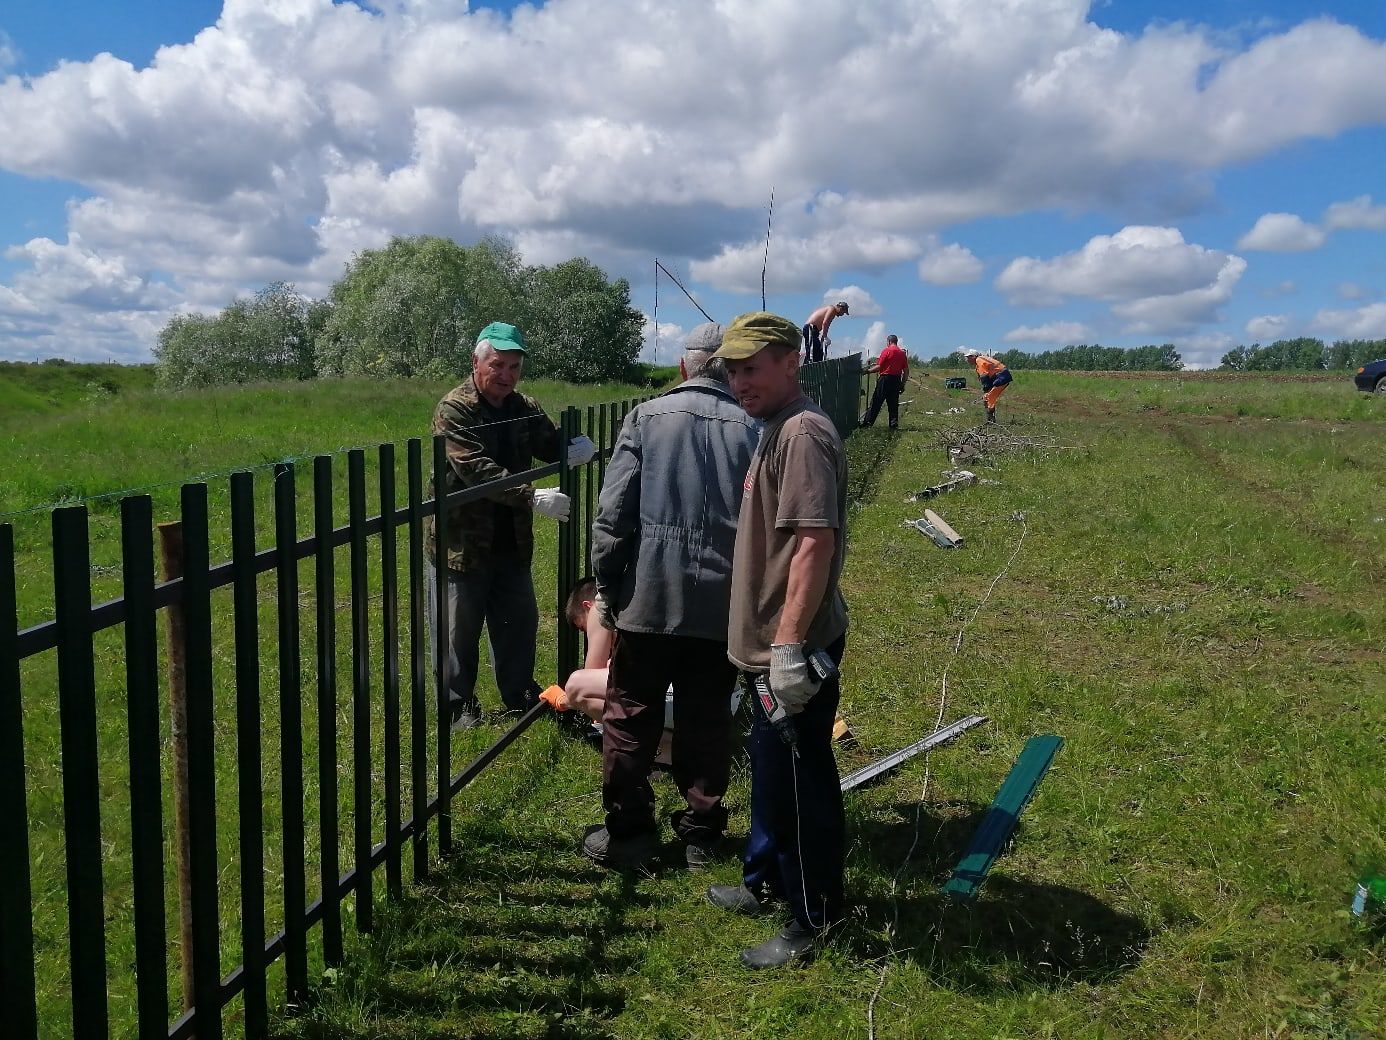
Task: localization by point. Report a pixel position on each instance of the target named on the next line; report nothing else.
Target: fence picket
(290, 736)
(146, 809)
(418, 664)
(248, 752)
(202, 801)
(389, 649)
(326, 596)
(360, 688)
(16, 898)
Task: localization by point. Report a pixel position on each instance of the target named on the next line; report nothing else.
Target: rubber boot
(991, 415)
(793, 942)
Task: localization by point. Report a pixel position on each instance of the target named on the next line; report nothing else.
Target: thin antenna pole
(766, 262)
(654, 355)
(670, 273)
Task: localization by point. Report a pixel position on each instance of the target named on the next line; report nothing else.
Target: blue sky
(996, 173)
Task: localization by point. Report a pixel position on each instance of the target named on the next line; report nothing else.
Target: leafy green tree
(268, 336)
(581, 327)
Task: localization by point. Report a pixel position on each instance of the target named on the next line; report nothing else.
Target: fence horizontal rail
(44, 636)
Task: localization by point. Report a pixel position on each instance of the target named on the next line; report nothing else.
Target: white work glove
(790, 679)
(605, 615)
(553, 504)
(580, 451)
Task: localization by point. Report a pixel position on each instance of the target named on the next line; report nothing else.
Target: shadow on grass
(1015, 935)
(516, 936)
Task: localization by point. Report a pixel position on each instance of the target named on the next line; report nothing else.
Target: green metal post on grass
(326, 596)
(360, 689)
(389, 650)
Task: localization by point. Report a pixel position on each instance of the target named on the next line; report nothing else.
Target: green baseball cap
(748, 334)
(502, 337)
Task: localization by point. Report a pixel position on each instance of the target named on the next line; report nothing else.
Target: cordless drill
(820, 665)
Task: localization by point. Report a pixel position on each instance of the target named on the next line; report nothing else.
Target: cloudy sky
(990, 172)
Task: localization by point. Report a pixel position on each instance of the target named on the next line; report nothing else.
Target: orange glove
(555, 698)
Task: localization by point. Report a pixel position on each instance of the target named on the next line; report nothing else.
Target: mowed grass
(77, 447)
(1196, 608)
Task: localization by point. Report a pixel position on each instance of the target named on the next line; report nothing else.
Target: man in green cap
(785, 604)
(491, 430)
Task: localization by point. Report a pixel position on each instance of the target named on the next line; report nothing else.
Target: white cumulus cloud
(290, 134)
(1282, 233)
(1368, 322)
(1268, 327)
(1057, 332)
(1356, 213)
(859, 302)
(950, 264)
(1158, 282)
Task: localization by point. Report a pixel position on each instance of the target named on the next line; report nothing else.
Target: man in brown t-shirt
(785, 603)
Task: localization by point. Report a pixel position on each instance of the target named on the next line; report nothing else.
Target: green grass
(1196, 608)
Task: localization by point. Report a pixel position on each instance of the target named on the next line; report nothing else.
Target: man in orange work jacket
(995, 377)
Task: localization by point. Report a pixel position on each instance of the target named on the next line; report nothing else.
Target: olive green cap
(749, 334)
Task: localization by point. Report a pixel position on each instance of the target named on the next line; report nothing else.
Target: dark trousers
(888, 390)
(500, 595)
(813, 344)
(796, 843)
(643, 666)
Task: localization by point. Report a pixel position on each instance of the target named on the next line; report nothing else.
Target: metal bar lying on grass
(936, 739)
(962, 480)
(937, 528)
(996, 827)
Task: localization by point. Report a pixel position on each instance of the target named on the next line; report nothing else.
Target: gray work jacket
(666, 524)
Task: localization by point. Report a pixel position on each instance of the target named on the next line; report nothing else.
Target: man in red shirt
(892, 368)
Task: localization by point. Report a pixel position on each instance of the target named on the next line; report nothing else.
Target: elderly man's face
(496, 372)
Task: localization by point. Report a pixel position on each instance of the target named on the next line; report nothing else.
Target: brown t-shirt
(798, 478)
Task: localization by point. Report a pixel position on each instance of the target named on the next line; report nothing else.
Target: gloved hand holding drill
(790, 677)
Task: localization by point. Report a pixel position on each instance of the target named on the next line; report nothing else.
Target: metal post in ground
(171, 568)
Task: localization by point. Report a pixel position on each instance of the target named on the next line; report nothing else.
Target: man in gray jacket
(661, 555)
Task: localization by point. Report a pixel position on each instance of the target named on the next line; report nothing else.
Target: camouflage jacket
(477, 435)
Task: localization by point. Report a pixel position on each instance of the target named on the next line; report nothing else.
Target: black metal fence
(303, 854)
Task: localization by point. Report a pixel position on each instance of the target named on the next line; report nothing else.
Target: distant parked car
(1371, 377)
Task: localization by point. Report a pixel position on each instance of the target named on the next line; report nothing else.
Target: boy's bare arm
(599, 643)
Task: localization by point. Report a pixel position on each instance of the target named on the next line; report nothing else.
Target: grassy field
(1192, 609)
(1196, 607)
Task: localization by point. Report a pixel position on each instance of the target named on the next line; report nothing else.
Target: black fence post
(146, 753)
(360, 689)
(202, 773)
(326, 595)
(418, 665)
(81, 787)
(290, 735)
(16, 897)
(389, 642)
(248, 752)
(442, 639)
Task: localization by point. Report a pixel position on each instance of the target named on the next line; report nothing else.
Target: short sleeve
(808, 483)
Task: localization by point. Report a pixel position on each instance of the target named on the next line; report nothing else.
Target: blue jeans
(796, 844)
(500, 595)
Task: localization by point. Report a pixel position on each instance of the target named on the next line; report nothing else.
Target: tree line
(1304, 354)
(1083, 357)
(413, 309)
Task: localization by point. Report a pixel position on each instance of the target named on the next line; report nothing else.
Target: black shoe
(636, 852)
(793, 942)
(465, 716)
(739, 900)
